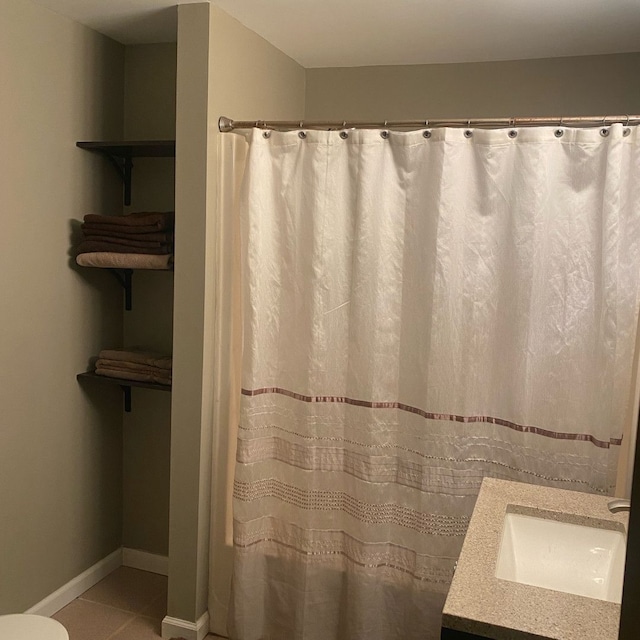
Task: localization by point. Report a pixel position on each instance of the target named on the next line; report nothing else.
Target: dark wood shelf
(125, 385)
(120, 155)
(138, 149)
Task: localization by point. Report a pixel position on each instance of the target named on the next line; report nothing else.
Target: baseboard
(151, 562)
(77, 586)
(176, 628)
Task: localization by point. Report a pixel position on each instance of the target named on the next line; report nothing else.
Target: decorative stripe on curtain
(420, 313)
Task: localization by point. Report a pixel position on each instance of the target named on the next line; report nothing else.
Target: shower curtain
(421, 310)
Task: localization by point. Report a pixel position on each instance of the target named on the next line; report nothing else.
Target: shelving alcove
(120, 154)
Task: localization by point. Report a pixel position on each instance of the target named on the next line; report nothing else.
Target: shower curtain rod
(226, 125)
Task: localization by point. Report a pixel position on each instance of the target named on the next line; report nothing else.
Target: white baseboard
(176, 628)
(137, 559)
(77, 586)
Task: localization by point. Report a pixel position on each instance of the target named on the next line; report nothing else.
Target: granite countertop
(479, 603)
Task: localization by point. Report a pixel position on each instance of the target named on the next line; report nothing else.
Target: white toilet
(28, 627)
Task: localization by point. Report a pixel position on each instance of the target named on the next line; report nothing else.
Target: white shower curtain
(421, 310)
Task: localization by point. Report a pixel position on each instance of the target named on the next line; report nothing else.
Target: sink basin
(563, 556)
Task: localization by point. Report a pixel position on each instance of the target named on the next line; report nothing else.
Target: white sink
(584, 560)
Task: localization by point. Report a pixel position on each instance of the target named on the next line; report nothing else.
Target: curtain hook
(426, 124)
(626, 125)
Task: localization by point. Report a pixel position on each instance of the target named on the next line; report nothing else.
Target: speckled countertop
(479, 603)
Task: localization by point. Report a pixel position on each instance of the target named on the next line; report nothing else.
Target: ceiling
(344, 33)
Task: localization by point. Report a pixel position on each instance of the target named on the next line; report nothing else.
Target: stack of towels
(132, 241)
(141, 366)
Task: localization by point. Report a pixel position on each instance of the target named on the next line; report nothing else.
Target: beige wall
(149, 113)
(60, 462)
(252, 77)
(223, 68)
(192, 96)
(588, 85)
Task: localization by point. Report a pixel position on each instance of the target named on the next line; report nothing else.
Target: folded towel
(121, 365)
(160, 221)
(138, 241)
(155, 374)
(130, 229)
(133, 375)
(92, 246)
(114, 260)
(137, 356)
(113, 231)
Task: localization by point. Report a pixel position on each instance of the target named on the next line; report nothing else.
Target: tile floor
(128, 604)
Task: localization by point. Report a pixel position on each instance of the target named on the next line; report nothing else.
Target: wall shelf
(125, 385)
(121, 155)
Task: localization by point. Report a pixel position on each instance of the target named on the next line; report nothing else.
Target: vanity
(538, 564)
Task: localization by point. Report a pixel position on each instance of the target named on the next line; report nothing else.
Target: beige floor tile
(140, 628)
(128, 589)
(91, 621)
(157, 609)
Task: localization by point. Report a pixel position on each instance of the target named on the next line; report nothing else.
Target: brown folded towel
(113, 231)
(137, 356)
(133, 375)
(127, 242)
(91, 246)
(121, 365)
(131, 229)
(154, 374)
(160, 221)
(113, 260)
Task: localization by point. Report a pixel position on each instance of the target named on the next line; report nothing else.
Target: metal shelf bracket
(125, 278)
(126, 394)
(123, 166)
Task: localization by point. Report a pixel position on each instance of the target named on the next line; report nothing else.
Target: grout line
(133, 613)
(110, 606)
(120, 628)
